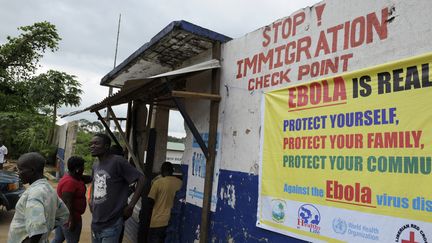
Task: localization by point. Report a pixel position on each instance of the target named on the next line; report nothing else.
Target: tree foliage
(19, 58)
(82, 148)
(90, 127)
(52, 90)
(23, 94)
(24, 132)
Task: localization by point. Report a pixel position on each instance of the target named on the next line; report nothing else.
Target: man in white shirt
(3, 153)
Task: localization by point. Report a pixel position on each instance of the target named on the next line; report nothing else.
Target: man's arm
(127, 212)
(62, 214)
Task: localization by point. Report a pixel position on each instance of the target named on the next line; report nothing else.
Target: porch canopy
(156, 74)
(154, 89)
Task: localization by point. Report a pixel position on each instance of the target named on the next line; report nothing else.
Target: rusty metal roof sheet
(173, 45)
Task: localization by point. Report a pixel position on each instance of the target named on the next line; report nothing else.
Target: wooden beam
(120, 118)
(212, 141)
(148, 168)
(195, 95)
(182, 109)
(107, 128)
(128, 120)
(122, 134)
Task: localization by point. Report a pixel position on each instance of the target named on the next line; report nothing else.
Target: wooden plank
(195, 95)
(107, 128)
(210, 164)
(182, 109)
(129, 120)
(122, 134)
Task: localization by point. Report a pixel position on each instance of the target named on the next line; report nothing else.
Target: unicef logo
(309, 214)
(339, 226)
(278, 210)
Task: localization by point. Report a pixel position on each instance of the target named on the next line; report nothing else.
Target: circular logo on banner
(278, 210)
(309, 218)
(339, 226)
(410, 233)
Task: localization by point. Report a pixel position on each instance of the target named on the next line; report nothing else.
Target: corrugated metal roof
(173, 45)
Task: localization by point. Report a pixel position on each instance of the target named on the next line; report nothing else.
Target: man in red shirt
(71, 190)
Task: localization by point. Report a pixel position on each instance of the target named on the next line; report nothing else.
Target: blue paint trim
(175, 25)
(232, 222)
(238, 222)
(60, 153)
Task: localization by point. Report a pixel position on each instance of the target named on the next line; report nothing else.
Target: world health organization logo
(278, 210)
(339, 226)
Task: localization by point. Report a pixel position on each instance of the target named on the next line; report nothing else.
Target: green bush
(26, 132)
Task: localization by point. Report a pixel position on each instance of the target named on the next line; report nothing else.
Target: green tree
(90, 127)
(19, 58)
(54, 89)
(25, 132)
(82, 148)
(21, 90)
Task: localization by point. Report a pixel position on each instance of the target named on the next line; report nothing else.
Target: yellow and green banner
(349, 157)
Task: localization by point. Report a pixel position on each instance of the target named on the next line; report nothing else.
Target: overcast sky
(88, 30)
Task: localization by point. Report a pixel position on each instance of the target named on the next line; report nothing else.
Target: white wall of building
(408, 34)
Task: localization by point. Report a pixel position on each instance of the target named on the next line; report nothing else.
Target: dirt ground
(6, 218)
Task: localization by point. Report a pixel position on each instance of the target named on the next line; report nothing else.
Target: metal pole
(110, 92)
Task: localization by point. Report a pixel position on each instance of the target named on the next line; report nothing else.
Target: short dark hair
(35, 160)
(75, 162)
(105, 138)
(167, 167)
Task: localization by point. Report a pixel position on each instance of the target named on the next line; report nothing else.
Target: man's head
(100, 144)
(167, 169)
(30, 167)
(76, 165)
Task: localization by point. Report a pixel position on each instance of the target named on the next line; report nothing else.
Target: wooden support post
(148, 169)
(122, 134)
(212, 140)
(128, 120)
(107, 128)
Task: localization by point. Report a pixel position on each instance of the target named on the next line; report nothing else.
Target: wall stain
(391, 13)
(254, 169)
(228, 195)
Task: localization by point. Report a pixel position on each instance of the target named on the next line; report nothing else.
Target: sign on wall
(196, 174)
(349, 157)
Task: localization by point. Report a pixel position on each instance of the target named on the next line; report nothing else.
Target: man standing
(161, 197)
(39, 209)
(3, 153)
(112, 176)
